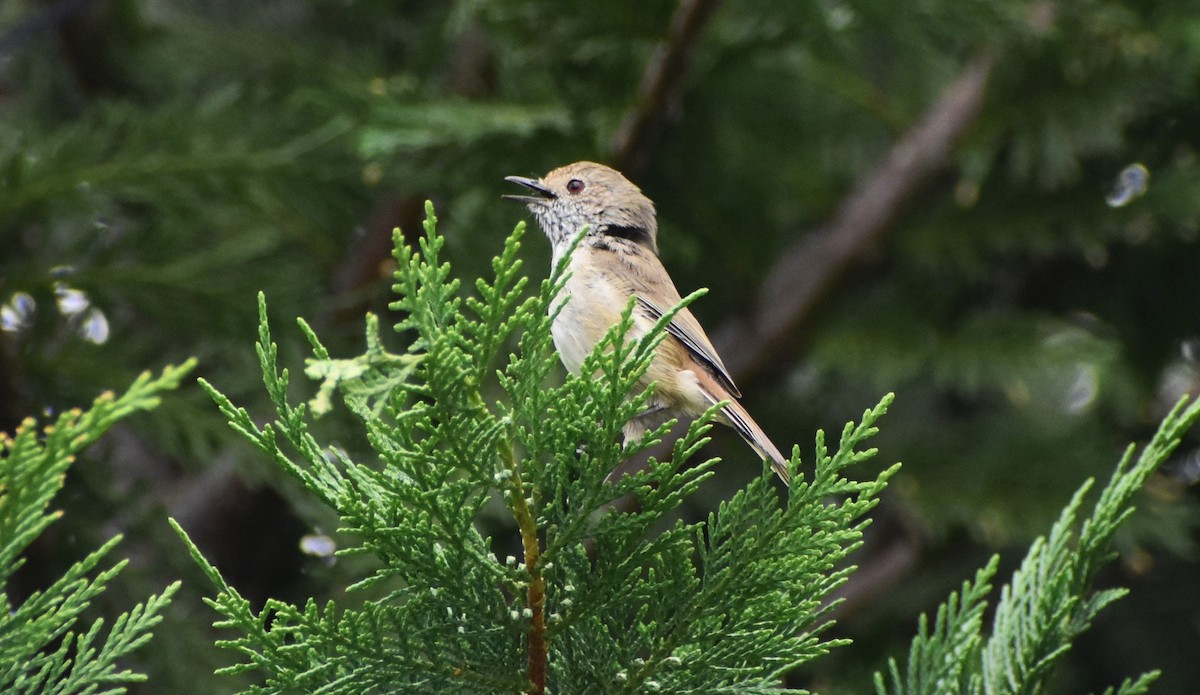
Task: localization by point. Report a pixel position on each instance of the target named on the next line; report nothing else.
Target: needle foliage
(44, 645)
(1048, 602)
(625, 601)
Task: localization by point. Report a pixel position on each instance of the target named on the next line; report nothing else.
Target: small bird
(618, 258)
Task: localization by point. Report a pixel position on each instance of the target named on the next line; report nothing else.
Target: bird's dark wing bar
(687, 330)
(638, 235)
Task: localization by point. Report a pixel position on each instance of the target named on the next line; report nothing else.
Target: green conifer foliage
(1047, 604)
(42, 648)
(624, 602)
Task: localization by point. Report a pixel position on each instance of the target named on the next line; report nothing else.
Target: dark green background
(171, 159)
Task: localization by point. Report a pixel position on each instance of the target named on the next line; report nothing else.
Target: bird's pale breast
(594, 300)
(591, 303)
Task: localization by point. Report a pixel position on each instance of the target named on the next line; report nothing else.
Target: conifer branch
(41, 646)
(640, 614)
(1048, 602)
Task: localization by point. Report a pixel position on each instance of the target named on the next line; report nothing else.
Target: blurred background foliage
(1030, 292)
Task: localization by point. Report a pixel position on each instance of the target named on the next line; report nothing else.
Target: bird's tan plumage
(617, 259)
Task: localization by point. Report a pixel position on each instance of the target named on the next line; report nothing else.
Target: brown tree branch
(661, 87)
(795, 286)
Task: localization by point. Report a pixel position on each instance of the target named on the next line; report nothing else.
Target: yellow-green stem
(538, 651)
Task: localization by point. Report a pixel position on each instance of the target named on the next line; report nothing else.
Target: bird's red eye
(574, 186)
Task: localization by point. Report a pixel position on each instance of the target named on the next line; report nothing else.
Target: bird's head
(592, 195)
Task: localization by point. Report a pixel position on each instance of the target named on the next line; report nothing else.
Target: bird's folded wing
(687, 330)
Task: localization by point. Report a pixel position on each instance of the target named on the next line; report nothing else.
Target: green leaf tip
(430, 223)
(213, 574)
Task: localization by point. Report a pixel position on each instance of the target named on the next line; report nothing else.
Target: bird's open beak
(543, 193)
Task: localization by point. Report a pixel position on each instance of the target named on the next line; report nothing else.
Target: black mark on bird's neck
(638, 235)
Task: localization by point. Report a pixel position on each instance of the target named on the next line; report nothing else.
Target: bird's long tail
(745, 425)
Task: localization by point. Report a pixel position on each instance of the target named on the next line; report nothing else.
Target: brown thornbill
(616, 259)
